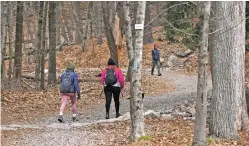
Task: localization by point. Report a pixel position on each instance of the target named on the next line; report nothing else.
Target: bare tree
(10, 29)
(201, 102)
(136, 102)
(38, 42)
(43, 43)
(128, 35)
(99, 23)
(228, 114)
(58, 24)
(52, 44)
(3, 36)
(18, 41)
(109, 33)
(148, 38)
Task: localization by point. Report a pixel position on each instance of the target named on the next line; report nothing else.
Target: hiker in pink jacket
(113, 81)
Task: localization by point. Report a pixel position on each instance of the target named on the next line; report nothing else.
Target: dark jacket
(155, 55)
(75, 81)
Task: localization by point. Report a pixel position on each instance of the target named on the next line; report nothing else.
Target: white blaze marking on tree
(139, 26)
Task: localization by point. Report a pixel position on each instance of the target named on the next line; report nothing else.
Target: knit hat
(155, 45)
(110, 62)
(70, 65)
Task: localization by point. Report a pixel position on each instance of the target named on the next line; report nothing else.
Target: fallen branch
(8, 57)
(27, 84)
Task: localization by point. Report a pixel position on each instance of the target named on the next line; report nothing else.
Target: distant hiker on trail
(155, 60)
(113, 80)
(68, 87)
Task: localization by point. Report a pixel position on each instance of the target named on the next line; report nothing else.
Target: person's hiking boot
(75, 119)
(60, 119)
(107, 116)
(159, 74)
(118, 115)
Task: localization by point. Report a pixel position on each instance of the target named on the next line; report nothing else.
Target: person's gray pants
(155, 63)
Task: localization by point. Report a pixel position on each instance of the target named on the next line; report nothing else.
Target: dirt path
(49, 132)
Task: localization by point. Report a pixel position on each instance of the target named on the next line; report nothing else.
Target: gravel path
(185, 90)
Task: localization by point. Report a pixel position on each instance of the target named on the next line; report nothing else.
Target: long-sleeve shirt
(155, 55)
(118, 73)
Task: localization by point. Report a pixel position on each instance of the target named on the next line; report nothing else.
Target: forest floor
(29, 116)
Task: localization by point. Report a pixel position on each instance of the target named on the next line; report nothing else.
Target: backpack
(66, 85)
(110, 77)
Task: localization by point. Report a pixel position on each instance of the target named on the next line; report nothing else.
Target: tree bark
(43, 44)
(148, 38)
(109, 34)
(99, 24)
(136, 102)
(52, 45)
(10, 29)
(38, 43)
(227, 114)
(18, 41)
(201, 102)
(3, 36)
(128, 35)
(58, 24)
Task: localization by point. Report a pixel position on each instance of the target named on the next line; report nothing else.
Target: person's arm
(121, 78)
(76, 85)
(102, 78)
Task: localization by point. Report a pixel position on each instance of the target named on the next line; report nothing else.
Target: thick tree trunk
(228, 69)
(128, 35)
(38, 43)
(52, 45)
(201, 102)
(133, 13)
(18, 41)
(10, 29)
(136, 102)
(148, 38)
(43, 43)
(109, 34)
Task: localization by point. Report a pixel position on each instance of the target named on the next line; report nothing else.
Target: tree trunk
(10, 29)
(38, 43)
(3, 36)
(66, 23)
(136, 102)
(52, 44)
(58, 24)
(85, 28)
(201, 102)
(133, 13)
(109, 34)
(148, 38)
(18, 41)
(128, 35)
(228, 69)
(99, 24)
(43, 43)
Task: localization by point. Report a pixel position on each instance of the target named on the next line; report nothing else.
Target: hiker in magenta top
(68, 87)
(113, 81)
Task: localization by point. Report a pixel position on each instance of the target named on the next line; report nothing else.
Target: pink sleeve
(121, 78)
(102, 78)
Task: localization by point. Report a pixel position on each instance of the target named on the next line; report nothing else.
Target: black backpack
(66, 85)
(110, 77)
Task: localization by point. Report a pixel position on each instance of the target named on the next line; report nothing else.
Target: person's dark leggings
(109, 91)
